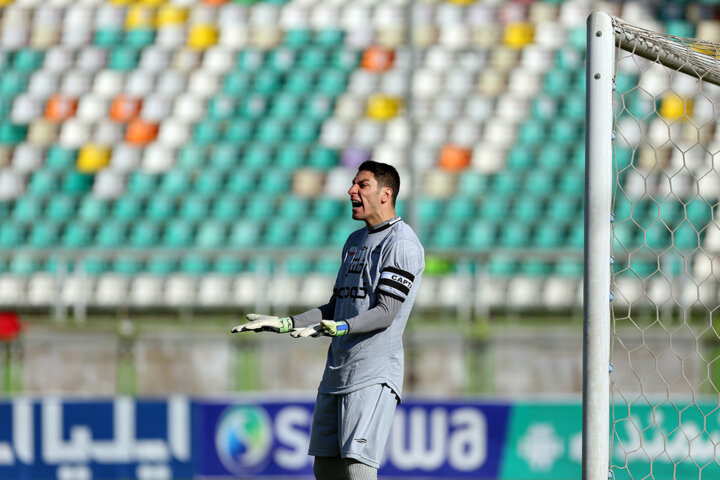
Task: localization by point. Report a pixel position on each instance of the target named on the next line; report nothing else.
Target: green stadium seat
(139, 37)
(12, 83)
(11, 133)
(532, 133)
(430, 209)
(258, 208)
(60, 159)
(505, 183)
(520, 158)
(267, 82)
(109, 38)
(549, 235)
(144, 234)
(341, 229)
(323, 158)
(194, 264)
(556, 81)
(298, 265)
(698, 212)
(535, 267)
(539, 182)
(178, 233)
(162, 264)
(244, 234)
(311, 233)
(481, 234)
(271, 130)
(43, 182)
(208, 182)
(625, 236)
(329, 37)
(569, 268)
(273, 183)
(553, 157)
(301, 82)
(127, 264)
(123, 58)
(572, 181)
(12, 234)
(292, 207)
(222, 107)
(328, 210)
(298, 38)
(495, 207)
(290, 156)
(27, 209)
(226, 207)
(685, 237)
(279, 232)
(193, 208)
(111, 233)
(61, 207)
(93, 210)
(77, 235)
(332, 82)
(502, 266)
(446, 236)
(142, 184)
(472, 184)
(565, 131)
(285, 105)
(44, 235)
(210, 234)
(312, 58)
(680, 28)
(562, 208)
(237, 83)
(28, 60)
(304, 131)
(173, 183)
(345, 59)
(207, 132)
(328, 264)
(514, 235)
(257, 156)
(460, 209)
(23, 264)
(241, 182)
(318, 107)
(527, 209)
(282, 59)
(227, 264)
(94, 265)
(254, 106)
(127, 209)
(250, 59)
(160, 208)
(191, 157)
(239, 131)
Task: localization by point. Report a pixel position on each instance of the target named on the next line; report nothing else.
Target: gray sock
(360, 471)
(330, 468)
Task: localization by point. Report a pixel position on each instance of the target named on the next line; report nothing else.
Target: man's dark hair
(385, 174)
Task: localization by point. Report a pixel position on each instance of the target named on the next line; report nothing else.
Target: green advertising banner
(659, 441)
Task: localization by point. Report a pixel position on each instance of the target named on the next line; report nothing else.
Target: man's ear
(386, 195)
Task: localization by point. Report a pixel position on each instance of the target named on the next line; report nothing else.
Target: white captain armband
(395, 283)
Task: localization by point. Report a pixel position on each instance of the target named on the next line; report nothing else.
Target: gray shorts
(354, 425)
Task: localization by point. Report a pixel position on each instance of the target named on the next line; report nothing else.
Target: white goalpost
(651, 395)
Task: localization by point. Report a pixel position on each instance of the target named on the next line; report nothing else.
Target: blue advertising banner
(52, 438)
(428, 439)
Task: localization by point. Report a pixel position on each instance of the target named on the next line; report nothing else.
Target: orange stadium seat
(60, 108)
(141, 132)
(378, 58)
(125, 108)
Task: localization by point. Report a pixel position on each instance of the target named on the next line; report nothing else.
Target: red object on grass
(10, 325)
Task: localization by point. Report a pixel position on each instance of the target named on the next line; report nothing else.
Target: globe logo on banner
(243, 438)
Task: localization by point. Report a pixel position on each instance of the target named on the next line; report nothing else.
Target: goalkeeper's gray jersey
(387, 259)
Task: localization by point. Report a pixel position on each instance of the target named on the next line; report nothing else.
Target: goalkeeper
(366, 316)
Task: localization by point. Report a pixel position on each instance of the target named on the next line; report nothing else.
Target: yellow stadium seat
(673, 107)
(383, 107)
(462, 2)
(93, 158)
(202, 37)
(169, 15)
(140, 16)
(518, 34)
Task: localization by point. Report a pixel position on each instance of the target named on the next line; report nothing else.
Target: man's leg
(360, 471)
(330, 468)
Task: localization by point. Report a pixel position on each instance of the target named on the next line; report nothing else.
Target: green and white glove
(328, 328)
(265, 323)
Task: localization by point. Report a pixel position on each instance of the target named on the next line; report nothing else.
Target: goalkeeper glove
(265, 323)
(329, 328)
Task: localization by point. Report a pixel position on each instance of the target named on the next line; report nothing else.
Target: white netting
(666, 240)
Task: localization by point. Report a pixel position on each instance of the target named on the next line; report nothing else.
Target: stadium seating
(213, 128)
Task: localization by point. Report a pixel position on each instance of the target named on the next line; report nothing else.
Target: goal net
(665, 268)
